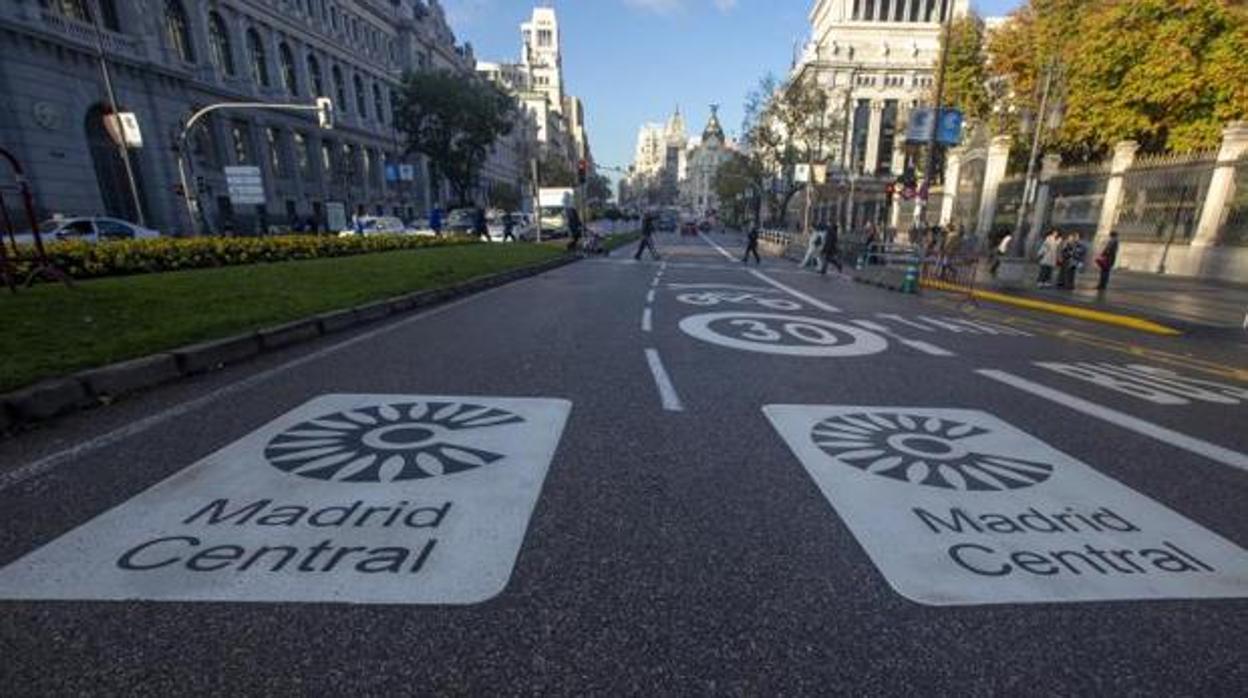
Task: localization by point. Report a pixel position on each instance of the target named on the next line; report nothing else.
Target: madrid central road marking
(407, 499)
(1213, 452)
(956, 507)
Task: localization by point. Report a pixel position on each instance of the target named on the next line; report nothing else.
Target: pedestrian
(1106, 260)
(813, 246)
(575, 228)
(830, 254)
(509, 227)
(751, 247)
(479, 227)
(647, 237)
(872, 244)
(1003, 249)
(435, 221)
(1067, 261)
(1048, 252)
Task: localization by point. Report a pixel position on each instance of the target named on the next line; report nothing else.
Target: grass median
(50, 330)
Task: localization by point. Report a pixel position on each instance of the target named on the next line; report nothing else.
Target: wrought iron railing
(1235, 228)
(1162, 198)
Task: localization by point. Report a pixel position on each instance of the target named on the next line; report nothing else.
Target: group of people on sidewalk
(1063, 256)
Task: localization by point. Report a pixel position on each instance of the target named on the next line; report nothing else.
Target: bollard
(911, 282)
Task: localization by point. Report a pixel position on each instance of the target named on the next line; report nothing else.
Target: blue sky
(633, 61)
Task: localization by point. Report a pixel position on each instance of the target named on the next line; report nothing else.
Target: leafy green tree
(554, 171)
(737, 182)
(505, 196)
(453, 121)
(966, 74)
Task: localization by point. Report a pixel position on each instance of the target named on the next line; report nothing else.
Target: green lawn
(50, 330)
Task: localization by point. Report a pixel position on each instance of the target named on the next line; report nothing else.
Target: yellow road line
(1100, 316)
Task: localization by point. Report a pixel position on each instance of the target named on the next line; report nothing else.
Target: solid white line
(655, 282)
(49, 462)
(1211, 451)
(645, 320)
(667, 392)
(721, 250)
(650, 296)
(917, 344)
(796, 293)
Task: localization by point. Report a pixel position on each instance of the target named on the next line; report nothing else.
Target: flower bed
(82, 260)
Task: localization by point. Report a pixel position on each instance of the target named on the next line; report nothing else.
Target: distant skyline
(634, 61)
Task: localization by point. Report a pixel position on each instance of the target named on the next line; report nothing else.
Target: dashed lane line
(1213, 452)
(650, 296)
(804, 297)
(646, 324)
(667, 391)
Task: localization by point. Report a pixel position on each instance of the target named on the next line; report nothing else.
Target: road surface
(676, 477)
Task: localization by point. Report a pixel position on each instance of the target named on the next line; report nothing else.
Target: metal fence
(1009, 199)
(1076, 196)
(1163, 196)
(1235, 228)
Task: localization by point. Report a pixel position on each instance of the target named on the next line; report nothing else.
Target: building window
(361, 101)
(367, 156)
(219, 44)
(290, 79)
(81, 11)
(868, 10)
(327, 159)
(545, 38)
(302, 158)
(857, 9)
(340, 90)
(241, 143)
(273, 137)
(314, 73)
(929, 13)
(899, 10)
(178, 31)
(259, 61)
(379, 106)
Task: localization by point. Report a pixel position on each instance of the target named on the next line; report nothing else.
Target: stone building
(877, 60)
(660, 162)
(168, 58)
(697, 190)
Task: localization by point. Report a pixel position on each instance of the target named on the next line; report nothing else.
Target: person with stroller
(647, 237)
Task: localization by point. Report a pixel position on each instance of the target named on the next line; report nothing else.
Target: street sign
(801, 174)
(956, 508)
(407, 173)
(245, 184)
(392, 173)
(360, 499)
(949, 132)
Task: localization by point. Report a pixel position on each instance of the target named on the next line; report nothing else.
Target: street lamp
(323, 106)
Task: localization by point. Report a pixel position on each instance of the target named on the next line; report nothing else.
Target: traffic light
(582, 171)
(325, 112)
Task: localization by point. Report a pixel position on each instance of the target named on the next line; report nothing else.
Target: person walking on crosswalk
(647, 237)
(751, 248)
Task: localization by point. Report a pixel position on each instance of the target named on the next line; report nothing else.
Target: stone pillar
(994, 171)
(953, 172)
(847, 160)
(1221, 186)
(873, 138)
(1039, 216)
(1124, 157)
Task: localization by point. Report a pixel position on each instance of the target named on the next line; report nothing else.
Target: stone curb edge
(98, 386)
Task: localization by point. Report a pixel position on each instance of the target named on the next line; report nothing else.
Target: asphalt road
(677, 544)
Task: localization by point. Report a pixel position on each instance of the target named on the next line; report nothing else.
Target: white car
(522, 227)
(377, 225)
(91, 229)
(420, 226)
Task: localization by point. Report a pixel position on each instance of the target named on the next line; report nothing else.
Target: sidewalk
(1177, 300)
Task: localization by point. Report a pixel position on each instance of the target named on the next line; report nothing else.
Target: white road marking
(51, 461)
(897, 318)
(650, 296)
(959, 508)
(667, 392)
(785, 335)
(721, 250)
(416, 499)
(1213, 452)
(645, 320)
(916, 344)
(655, 282)
(727, 287)
(796, 293)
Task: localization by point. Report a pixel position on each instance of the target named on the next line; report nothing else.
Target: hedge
(82, 260)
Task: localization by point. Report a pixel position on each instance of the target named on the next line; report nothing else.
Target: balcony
(83, 33)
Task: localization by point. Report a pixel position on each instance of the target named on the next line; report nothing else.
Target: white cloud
(671, 7)
(725, 5)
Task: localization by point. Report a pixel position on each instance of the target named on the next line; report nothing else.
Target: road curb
(57, 396)
(1099, 316)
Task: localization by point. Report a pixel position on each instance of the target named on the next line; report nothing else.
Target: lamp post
(122, 148)
(925, 191)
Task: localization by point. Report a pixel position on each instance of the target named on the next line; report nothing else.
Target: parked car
(460, 221)
(377, 225)
(91, 229)
(420, 226)
(688, 228)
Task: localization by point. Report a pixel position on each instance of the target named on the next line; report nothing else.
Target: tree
(1167, 73)
(965, 73)
(737, 182)
(597, 192)
(505, 196)
(553, 171)
(453, 121)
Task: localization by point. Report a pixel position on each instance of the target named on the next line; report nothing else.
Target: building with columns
(877, 60)
(660, 163)
(169, 57)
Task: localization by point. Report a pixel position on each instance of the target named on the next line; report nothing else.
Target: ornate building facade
(168, 58)
(697, 191)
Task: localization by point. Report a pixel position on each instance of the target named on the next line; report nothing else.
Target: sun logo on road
(923, 450)
(383, 443)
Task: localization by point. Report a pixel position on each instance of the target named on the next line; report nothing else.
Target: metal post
(1017, 243)
(925, 191)
(112, 103)
(537, 201)
(847, 151)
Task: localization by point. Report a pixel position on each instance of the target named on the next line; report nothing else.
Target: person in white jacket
(813, 248)
(1048, 258)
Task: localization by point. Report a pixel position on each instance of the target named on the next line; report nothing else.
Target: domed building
(697, 191)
